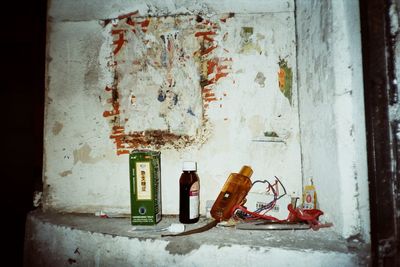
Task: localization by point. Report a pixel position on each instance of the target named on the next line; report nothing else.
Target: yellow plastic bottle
(233, 192)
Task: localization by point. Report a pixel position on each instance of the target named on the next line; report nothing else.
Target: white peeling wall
(332, 111)
(213, 82)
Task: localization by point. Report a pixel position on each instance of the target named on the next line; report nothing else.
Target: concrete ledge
(85, 240)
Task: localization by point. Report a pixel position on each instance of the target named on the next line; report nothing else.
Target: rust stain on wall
(157, 138)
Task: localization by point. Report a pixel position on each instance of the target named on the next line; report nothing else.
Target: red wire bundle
(309, 216)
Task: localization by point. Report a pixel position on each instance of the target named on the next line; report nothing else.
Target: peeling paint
(156, 138)
(285, 77)
(270, 134)
(167, 47)
(133, 99)
(65, 173)
(57, 127)
(248, 44)
(260, 79)
(83, 154)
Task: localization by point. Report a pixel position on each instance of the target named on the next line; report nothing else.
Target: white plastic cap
(176, 228)
(189, 166)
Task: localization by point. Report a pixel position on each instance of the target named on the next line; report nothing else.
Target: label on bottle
(309, 198)
(143, 181)
(194, 201)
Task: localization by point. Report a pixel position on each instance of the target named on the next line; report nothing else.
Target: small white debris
(37, 198)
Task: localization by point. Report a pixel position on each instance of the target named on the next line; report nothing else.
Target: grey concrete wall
(212, 82)
(332, 111)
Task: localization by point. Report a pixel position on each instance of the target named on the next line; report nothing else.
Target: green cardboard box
(145, 183)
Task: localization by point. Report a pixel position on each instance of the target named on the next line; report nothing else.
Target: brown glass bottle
(233, 192)
(189, 194)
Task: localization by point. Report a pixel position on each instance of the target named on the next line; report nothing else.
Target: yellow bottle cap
(246, 171)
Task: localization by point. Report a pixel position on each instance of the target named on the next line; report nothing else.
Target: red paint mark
(211, 64)
(134, 24)
(131, 23)
(120, 41)
(207, 41)
(128, 15)
(118, 134)
(144, 24)
(208, 95)
(114, 101)
(213, 68)
(109, 113)
(206, 35)
(118, 129)
(218, 67)
(220, 75)
(208, 50)
(211, 99)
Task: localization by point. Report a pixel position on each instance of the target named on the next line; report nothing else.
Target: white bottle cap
(189, 166)
(176, 228)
